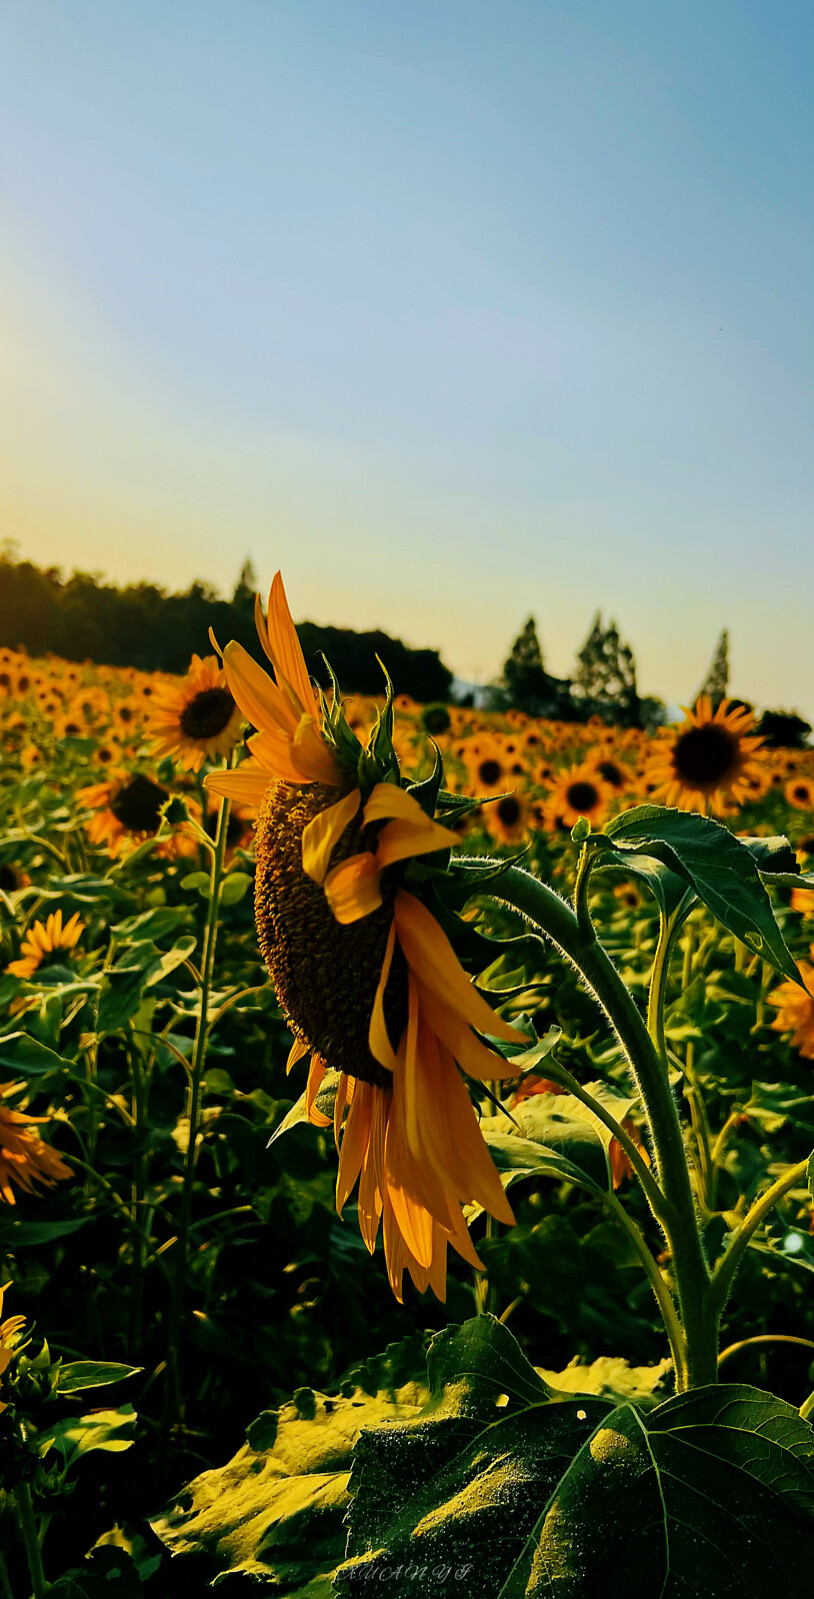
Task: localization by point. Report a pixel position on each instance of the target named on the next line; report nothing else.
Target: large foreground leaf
(722, 871)
(512, 1496)
(276, 1511)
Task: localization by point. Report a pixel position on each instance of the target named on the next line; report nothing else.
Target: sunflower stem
(28, 1528)
(726, 1269)
(203, 1027)
(557, 921)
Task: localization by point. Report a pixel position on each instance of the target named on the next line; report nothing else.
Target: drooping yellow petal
(430, 954)
(352, 888)
(400, 840)
(247, 785)
(315, 1076)
(297, 1051)
(342, 1098)
(467, 1049)
(378, 1038)
(355, 1139)
(273, 750)
(322, 834)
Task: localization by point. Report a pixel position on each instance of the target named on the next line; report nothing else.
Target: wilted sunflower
(705, 764)
(196, 719)
(25, 1158)
(44, 941)
(367, 977)
(795, 1009)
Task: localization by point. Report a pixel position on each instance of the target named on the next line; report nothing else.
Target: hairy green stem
(553, 917)
(28, 1528)
(202, 1032)
(759, 1341)
(651, 1188)
(673, 1328)
(724, 1275)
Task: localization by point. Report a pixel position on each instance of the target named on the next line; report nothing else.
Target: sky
(454, 311)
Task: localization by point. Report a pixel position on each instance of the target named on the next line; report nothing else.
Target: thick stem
(202, 1031)
(28, 1528)
(724, 1276)
(673, 1328)
(544, 908)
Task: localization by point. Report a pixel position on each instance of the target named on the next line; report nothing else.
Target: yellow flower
(372, 986)
(578, 791)
(44, 939)
(9, 1330)
(126, 810)
(289, 745)
(708, 762)
(25, 1158)
(196, 719)
(795, 1010)
(366, 975)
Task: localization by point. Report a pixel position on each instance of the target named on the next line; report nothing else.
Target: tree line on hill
(83, 617)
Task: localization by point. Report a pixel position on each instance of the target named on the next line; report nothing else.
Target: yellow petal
(471, 1053)
(315, 1076)
(248, 785)
(429, 952)
(284, 646)
(355, 1140)
(295, 1054)
(324, 832)
(399, 840)
(352, 888)
(380, 1046)
(259, 698)
(387, 800)
(311, 754)
(273, 750)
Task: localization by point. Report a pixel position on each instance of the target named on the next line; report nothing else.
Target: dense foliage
(212, 1399)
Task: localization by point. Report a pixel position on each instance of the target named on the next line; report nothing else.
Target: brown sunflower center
(207, 713)
(325, 975)
(137, 805)
(582, 797)
(508, 810)
(705, 754)
(9, 878)
(612, 773)
(489, 772)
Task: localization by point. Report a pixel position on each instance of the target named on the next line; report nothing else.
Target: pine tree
(716, 682)
(604, 683)
(523, 674)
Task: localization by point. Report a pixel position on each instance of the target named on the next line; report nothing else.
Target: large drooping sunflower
(196, 719)
(25, 1158)
(705, 764)
(45, 942)
(367, 976)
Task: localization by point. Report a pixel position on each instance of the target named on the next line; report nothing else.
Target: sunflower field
(406, 1129)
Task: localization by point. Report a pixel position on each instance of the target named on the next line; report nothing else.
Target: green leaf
(721, 870)
(152, 924)
(27, 1057)
(75, 1436)
(234, 887)
(499, 1491)
(15, 1233)
(80, 1374)
(140, 966)
(200, 882)
(277, 1512)
(559, 1137)
(298, 1113)
(610, 1377)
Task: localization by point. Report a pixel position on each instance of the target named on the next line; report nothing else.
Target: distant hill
(84, 617)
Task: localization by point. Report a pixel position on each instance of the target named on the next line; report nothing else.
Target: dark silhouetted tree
(527, 685)
(604, 683)
(716, 682)
(784, 730)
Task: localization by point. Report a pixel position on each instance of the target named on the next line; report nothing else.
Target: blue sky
(453, 310)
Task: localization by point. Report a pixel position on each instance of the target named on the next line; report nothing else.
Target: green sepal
(428, 791)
